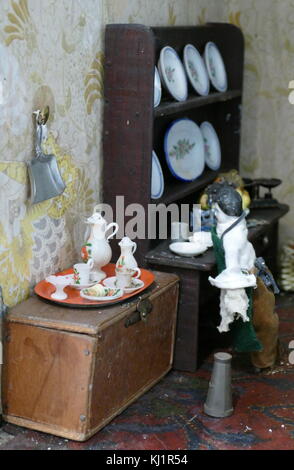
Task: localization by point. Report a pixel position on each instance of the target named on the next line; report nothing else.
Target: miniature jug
(97, 246)
(128, 248)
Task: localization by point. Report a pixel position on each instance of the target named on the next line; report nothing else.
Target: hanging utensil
(46, 181)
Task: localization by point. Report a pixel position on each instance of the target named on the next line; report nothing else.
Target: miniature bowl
(187, 249)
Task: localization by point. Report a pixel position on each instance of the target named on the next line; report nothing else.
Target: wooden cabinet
(133, 128)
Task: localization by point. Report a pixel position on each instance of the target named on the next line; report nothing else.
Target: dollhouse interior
(111, 337)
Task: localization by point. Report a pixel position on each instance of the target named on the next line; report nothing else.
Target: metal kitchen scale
(254, 188)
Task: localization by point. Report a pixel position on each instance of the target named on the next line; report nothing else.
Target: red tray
(44, 290)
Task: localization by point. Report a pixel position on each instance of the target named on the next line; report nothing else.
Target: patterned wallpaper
(268, 117)
(51, 52)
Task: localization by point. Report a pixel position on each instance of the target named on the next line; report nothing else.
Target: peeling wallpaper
(51, 52)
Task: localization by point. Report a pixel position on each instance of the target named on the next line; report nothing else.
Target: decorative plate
(211, 145)
(118, 293)
(44, 290)
(172, 73)
(215, 67)
(157, 88)
(136, 284)
(196, 70)
(157, 180)
(184, 150)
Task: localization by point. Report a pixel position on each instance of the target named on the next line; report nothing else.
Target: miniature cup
(179, 231)
(82, 272)
(125, 275)
(59, 282)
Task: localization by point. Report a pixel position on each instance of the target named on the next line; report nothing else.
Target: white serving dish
(184, 150)
(187, 249)
(157, 88)
(119, 294)
(196, 70)
(157, 179)
(215, 67)
(211, 146)
(136, 284)
(172, 73)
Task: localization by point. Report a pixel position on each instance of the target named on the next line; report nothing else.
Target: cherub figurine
(246, 301)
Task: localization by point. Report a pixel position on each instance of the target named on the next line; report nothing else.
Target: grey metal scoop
(45, 179)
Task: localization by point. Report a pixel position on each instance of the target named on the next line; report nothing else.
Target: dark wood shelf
(167, 108)
(176, 190)
(162, 256)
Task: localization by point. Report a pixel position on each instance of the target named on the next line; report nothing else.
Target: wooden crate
(69, 372)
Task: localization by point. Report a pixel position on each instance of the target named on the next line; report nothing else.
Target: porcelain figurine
(128, 248)
(97, 246)
(247, 287)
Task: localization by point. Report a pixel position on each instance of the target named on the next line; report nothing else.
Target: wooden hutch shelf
(167, 108)
(133, 128)
(176, 190)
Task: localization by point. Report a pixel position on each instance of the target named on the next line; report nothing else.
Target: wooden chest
(68, 372)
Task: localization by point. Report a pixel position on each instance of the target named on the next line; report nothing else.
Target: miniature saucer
(196, 70)
(172, 73)
(136, 284)
(187, 249)
(119, 293)
(215, 67)
(80, 286)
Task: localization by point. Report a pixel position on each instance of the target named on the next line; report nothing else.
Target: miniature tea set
(96, 253)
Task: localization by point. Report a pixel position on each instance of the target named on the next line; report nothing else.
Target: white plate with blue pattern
(211, 145)
(215, 67)
(184, 150)
(196, 70)
(157, 180)
(172, 73)
(157, 88)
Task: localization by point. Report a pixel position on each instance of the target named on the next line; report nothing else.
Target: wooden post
(3, 310)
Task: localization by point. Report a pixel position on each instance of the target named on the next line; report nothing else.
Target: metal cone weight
(219, 396)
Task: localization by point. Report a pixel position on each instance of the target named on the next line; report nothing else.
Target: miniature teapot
(128, 248)
(97, 246)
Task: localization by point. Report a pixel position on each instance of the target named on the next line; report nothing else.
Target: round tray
(44, 290)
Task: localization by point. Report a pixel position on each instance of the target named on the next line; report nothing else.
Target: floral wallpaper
(268, 117)
(51, 53)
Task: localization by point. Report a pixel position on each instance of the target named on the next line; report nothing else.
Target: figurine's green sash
(244, 336)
